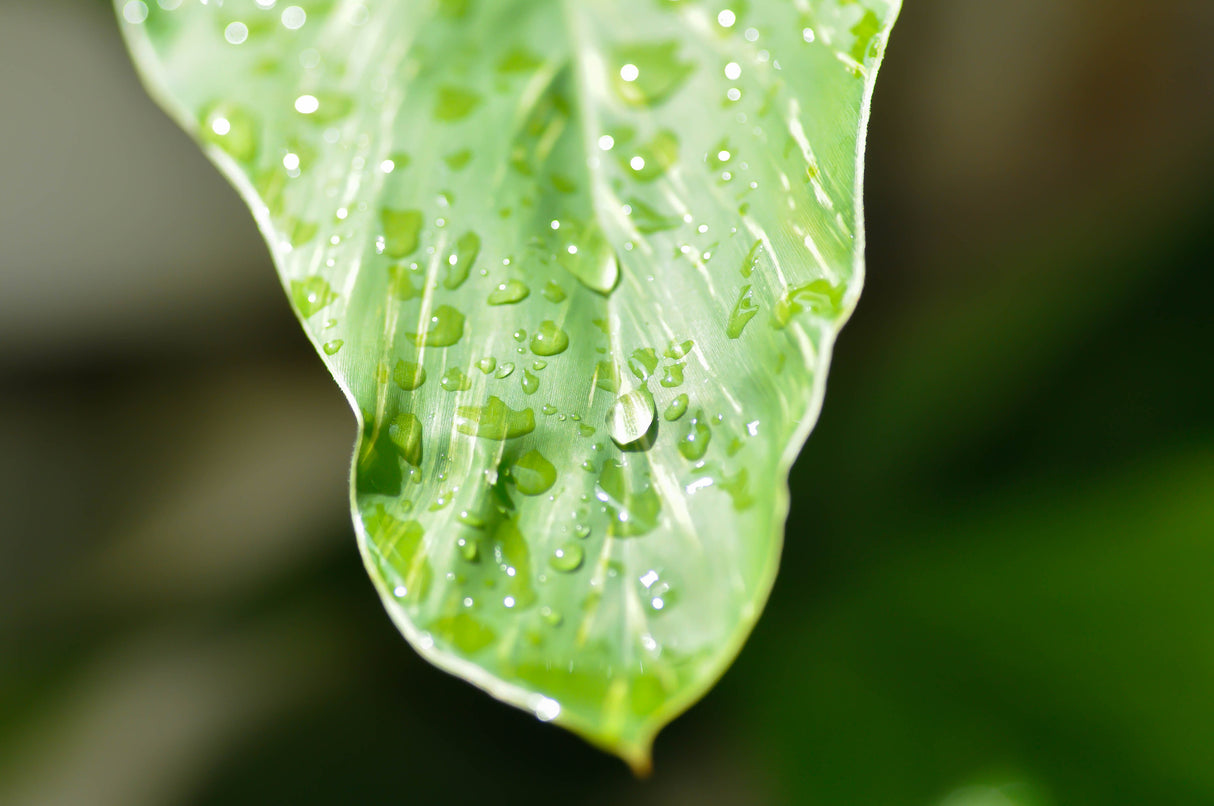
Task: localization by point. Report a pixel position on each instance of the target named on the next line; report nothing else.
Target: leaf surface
(578, 267)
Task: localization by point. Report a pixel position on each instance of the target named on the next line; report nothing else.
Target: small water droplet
(694, 443)
(509, 293)
(454, 380)
(567, 558)
(676, 409)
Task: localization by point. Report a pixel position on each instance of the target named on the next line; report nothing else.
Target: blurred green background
(996, 588)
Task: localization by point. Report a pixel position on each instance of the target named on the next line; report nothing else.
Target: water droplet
(504, 370)
(530, 383)
(509, 292)
(743, 311)
(673, 376)
(454, 103)
(607, 376)
(630, 416)
(549, 409)
(454, 380)
(405, 432)
(819, 296)
(676, 409)
(751, 261)
(494, 420)
(401, 231)
(463, 632)
(567, 558)
(461, 260)
(487, 365)
(678, 349)
(649, 73)
(331, 347)
(546, 708)
(549, 339)
(632, 504)
(408, 376)
(533, 474)
(469, 549)
(231, 128)
(458, 160)
(553, 292)
(592, 259)
(643, 362)
(311, 294)
(446, 328)
(694, 443)
(654, 158)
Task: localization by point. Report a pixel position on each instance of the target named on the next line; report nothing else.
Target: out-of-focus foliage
(994, 585)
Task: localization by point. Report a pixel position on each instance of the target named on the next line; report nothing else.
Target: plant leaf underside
(578, 267)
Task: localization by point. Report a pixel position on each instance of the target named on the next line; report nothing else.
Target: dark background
(998, 585)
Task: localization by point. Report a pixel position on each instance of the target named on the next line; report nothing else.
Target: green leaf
(573, 498)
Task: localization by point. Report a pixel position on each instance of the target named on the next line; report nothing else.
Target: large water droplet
(454, 380)
(406, 434)
(592, 259)
(402, 229)
(643, 362)
(633, 505)
(408, 376)
(533, 474)
(673, 376)
(694, 443)
(446, 328)
(494, 420)
(630, 416)
(461, 260)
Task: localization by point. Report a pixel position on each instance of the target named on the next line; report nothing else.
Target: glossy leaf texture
(578, 267)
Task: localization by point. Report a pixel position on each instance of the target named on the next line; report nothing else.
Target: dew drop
(567, 558)
(676, 409)
(454, 380)
(630, 416)
(549, 339)
(530, 383)
(509, 293)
